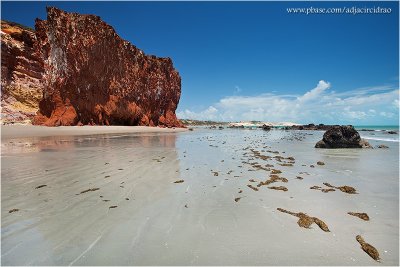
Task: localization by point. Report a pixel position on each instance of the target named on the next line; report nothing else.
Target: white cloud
(354, 114)
(319, 105)
(386, 114)
(396, 103)
(316, 92)
(211, 113)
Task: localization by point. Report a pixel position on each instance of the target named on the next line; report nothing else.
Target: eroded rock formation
(92, 76)
(21, 73)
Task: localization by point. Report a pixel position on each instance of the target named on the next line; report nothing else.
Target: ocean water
(137, 215)
(378, 127)
(380, 135)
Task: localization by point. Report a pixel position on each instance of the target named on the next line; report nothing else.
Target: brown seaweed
(324, 190)
(252, 187)
(369, 249)
(275, 171)
(273, 178)
(362, 215)
(345, 188)
(282, 188)
(179, 181)
(89, 190)
(13, 210)
(40, 186)
(286, 164)
(306, 221)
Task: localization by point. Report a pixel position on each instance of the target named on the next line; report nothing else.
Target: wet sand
(112, 200)
(16, 131)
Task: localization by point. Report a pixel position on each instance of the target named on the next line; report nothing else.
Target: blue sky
(253, 60)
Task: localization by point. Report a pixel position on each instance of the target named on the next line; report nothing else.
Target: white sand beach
(111, 199)
(16, 131)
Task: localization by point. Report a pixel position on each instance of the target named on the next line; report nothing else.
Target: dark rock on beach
(342, 137)
(266, 127)
(382, 146)
(310, 127)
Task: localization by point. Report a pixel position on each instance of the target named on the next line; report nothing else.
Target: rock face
(342, 137)
(92, 76)
(21, 73)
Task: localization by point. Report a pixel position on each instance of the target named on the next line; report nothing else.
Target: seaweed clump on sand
(306, 221)
(345, 188)
(362, 215)
(369, 249)
(13, 210)
(40, 186)
(89, 190)
(272, 179)
(252, 187)
(282, 188)
(275, 171)
(324, 190)
(179, 181)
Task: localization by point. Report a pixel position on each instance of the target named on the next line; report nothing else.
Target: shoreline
(18, 131)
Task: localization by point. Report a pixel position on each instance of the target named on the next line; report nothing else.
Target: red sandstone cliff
(92, 76)
(21, 72)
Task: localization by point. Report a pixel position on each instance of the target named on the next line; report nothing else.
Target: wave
(381, 139)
